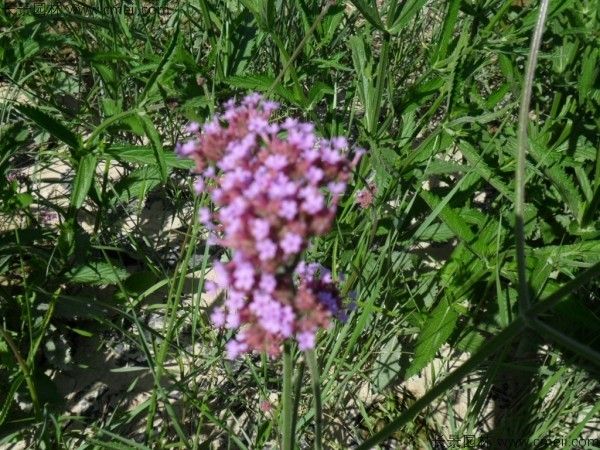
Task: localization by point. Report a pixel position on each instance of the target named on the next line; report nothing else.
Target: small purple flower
(238, 207)
(306, 340)
(266, 249)
(339, 143)
(288, 209)
(199, 186)
(302, 140)
(211, 127)
(232, 320)
(259, 228)
(331, 156)
(232, 225)
(282, 187)
(218, 317)
(314, 175)
(267, 282)
(307, 128)
(186, 149)
(287, 318)
(252, 99)
(258, 125)
(289, 123)
(235, 348)
(337, 188)
(216, 195)
(313, 200)
(311, 155)
(209, 172)
(276, 162)
(278, 319)
(244, 277)
(193, 127)
(291, 243)
(222, 278)
(241, 176)
(228, 162)
(270, 106)
(357, 155)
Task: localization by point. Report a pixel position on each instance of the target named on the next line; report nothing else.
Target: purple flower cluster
(274, 185)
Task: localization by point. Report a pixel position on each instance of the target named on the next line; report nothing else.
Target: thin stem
(572, 344)
(496, 343)
(297, 391)
(287, 400)
(313, 365)
(300, 46)
(26, 372)
(522, 145)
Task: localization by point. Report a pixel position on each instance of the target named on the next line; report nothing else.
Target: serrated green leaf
(53, 126)
(138, 183)
(557, 175)
(388, 364)
(435, 333)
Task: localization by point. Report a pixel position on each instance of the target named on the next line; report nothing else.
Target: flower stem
(287, 401)
(316, 387)
(522, 146)
(26, 372)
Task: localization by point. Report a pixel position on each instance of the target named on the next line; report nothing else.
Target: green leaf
(24, 199)
(138, 183)
(435, 333)
(388, 364)
(317, 92)
(477, 162)
(51, 125)
(557, 175)
(83, 179)
(145, 155)
(162, 67)
(370, 13)
(409, 9)
(447, 30)
(96, 273)
(261, 83)
(156, 145)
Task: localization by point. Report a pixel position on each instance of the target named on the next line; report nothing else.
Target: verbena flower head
(274, 186)
(365, 196)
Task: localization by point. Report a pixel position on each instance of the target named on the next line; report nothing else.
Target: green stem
(567, 341)
(316, 387)
(496, 343)
(287, 400)
(382, 69)
(173, 302)
(26, 372)
(300, 46)
(522, 145)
